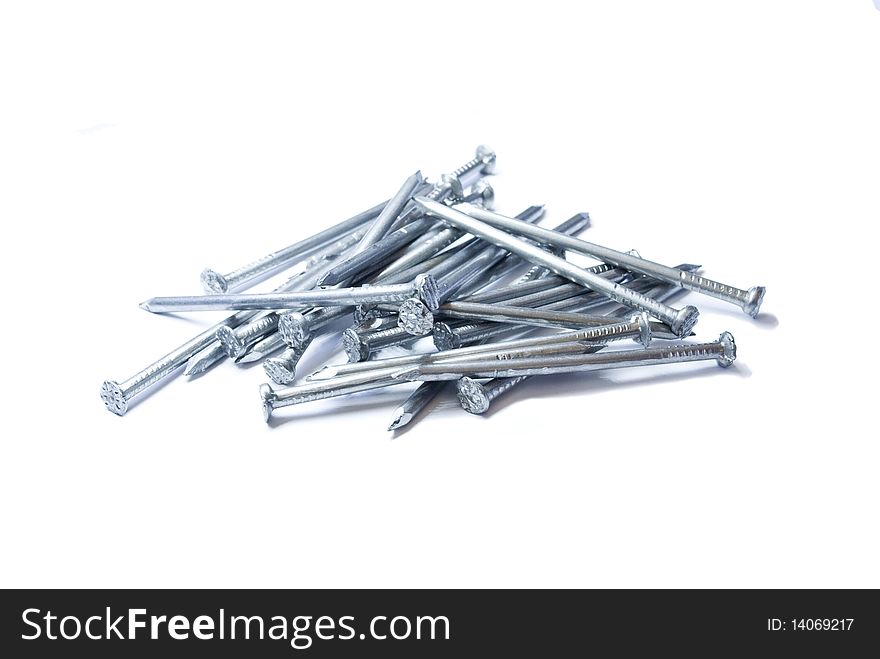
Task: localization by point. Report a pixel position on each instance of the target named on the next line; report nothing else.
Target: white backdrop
(140, 145)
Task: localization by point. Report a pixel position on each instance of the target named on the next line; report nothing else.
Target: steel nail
(681, 321)
(723, 351)
(748, 300)
(214, 282)
(424, 287)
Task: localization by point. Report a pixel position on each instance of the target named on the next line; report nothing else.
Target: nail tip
(399, 421)
(197, 367)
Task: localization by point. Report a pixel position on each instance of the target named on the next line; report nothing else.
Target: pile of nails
(496, 293)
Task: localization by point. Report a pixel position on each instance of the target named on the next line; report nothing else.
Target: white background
(143, 143)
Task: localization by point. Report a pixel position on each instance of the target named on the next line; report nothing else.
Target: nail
(214, 282)
(450, 184)
(482, 258)
(571, 227)
(215, 352)
(236, 341)
(476, 398)
(748, 300)
(296, 328)
(448, 335)
(423, 287)
(519, 315)
(117, 395)
(415, 403)
(205, 358)
(415, 317)
(272, 399)
(382, 224)
(375, 324)
(359, 347)
(681, 321)
(365, 312)
(637, 328)
(282, 369)
(376, 253)
(481, 193)
(261, 349)
(723, 351)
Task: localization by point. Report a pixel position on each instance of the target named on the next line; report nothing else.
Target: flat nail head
(355, 347)
(213, 281)
(685, 320)
(729, 355)
(267, 396)
(278, 371)
(233, 346)
(486, 192)
(644, 329)
(472, 396)
(294, 329)
(415, 318)
(487, 156)
(113, 397)
(756, 297)
(428, 291)
(453, 184)
(444, 337)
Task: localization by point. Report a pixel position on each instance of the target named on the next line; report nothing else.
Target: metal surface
(723, 351)
(476, 397)
(375, 253)
(573, 226)
(423, 287)
(469, 264)
(272, 399)
(382, 224)
(117, 395)
(499, 313)
(417, 401)
(215, 352)
(681, 321)
(214, 282)
(637, 328)
(261, 349)
(748, 300)
(282, 369)
(483, 163)
(450, 335)
(236, 341)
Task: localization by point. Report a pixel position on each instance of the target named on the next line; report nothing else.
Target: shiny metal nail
(236, 341)
(214, 282)
(637, 328)
(681, 321)
(261, 349)
(117, 395)
(723, 351)
(272, 399)
(392, 210)
(476, 397)
(282, 369)
(417, 401)
(748, 300)
(468, 265)
(373, 255)
(424, 287)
